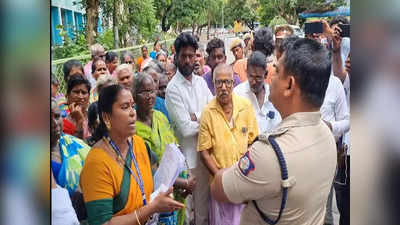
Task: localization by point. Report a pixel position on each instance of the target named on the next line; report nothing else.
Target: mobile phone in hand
(313, 28)
(345, 30)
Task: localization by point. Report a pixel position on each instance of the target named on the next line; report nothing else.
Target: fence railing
(57, 65)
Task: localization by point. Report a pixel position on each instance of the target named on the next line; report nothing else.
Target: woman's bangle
(137, 218)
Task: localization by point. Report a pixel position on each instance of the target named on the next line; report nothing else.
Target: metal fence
(57, 65)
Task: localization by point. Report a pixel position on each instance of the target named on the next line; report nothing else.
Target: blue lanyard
(138, 179)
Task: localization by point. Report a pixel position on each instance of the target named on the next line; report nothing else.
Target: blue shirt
(160, 106)
(153, 54)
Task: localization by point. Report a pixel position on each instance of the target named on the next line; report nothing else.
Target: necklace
(118, 157)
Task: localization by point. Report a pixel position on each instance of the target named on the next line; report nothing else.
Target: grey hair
(156, 65)
(126, 53)
(139, 78)
(96, 48)
(161, 53)
(124, 67)
(104, 80)
(222, 67)
(202, 49)
(151, 70)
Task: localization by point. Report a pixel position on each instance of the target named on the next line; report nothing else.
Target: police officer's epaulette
(264, 136)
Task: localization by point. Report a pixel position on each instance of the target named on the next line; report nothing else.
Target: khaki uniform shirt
(309, 150)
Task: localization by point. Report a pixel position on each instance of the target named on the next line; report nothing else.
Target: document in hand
(171, 164)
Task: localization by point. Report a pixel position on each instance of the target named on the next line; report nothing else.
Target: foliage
(136, 19)
(277, 20)
(141, 16)
(78, 45)
(188, 13)
(106, 39)
(70, 47)
(290, 9)
(243, 11)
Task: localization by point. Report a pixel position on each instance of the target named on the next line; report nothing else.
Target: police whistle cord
(284, 174)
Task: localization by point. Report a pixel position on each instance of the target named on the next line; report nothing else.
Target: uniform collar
(300, 119)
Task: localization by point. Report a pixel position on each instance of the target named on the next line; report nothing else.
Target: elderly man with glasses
(227, 127)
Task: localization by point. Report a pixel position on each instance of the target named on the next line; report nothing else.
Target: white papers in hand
(171, 164)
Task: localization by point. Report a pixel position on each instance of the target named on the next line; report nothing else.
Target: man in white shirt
(335, 109)
(62, 212)
(342, 182)
(256, 90)
(186, 96)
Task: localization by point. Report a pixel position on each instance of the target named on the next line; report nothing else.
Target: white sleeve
(209, 96)
(62, 212)
(341, 125)
(207, 92)
(179, 115)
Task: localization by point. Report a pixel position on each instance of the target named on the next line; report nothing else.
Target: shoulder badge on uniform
(263, 137)
(246, 165)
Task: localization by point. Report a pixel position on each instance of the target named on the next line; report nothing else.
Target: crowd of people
(265, 137)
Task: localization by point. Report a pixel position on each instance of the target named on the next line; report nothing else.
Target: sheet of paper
(171, 164)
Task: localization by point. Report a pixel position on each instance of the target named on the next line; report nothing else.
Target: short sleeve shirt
(309, 150)
(228, 143)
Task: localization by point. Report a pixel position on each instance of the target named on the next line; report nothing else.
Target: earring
(108, 125)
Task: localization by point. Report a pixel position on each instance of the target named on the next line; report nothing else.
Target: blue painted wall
(55, 20)
(68, 22)
(79, 21)
(99, 28)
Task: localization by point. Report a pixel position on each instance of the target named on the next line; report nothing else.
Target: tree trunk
(198, 30)
(115, 25)
(164, 25)
(92, 17)
(208, 26)
(193, 26)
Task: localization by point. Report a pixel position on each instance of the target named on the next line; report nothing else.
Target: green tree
(134, 20)
(163, 10)
(244, 11)
(92, 16)
(289, 10)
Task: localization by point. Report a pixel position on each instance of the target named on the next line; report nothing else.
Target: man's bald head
(222, 69)
(223, 82)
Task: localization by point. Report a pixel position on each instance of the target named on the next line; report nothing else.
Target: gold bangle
(137, 218)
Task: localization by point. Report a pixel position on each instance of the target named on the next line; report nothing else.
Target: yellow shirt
(228, 143)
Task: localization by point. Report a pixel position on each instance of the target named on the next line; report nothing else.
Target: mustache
(223, 93)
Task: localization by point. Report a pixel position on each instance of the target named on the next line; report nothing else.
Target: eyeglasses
(101, 69)
(128, 62)
(219, 83)
(147, 93)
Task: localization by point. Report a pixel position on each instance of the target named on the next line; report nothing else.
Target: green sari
(156, 137)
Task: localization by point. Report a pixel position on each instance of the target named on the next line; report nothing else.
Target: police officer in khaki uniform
(305, 141)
